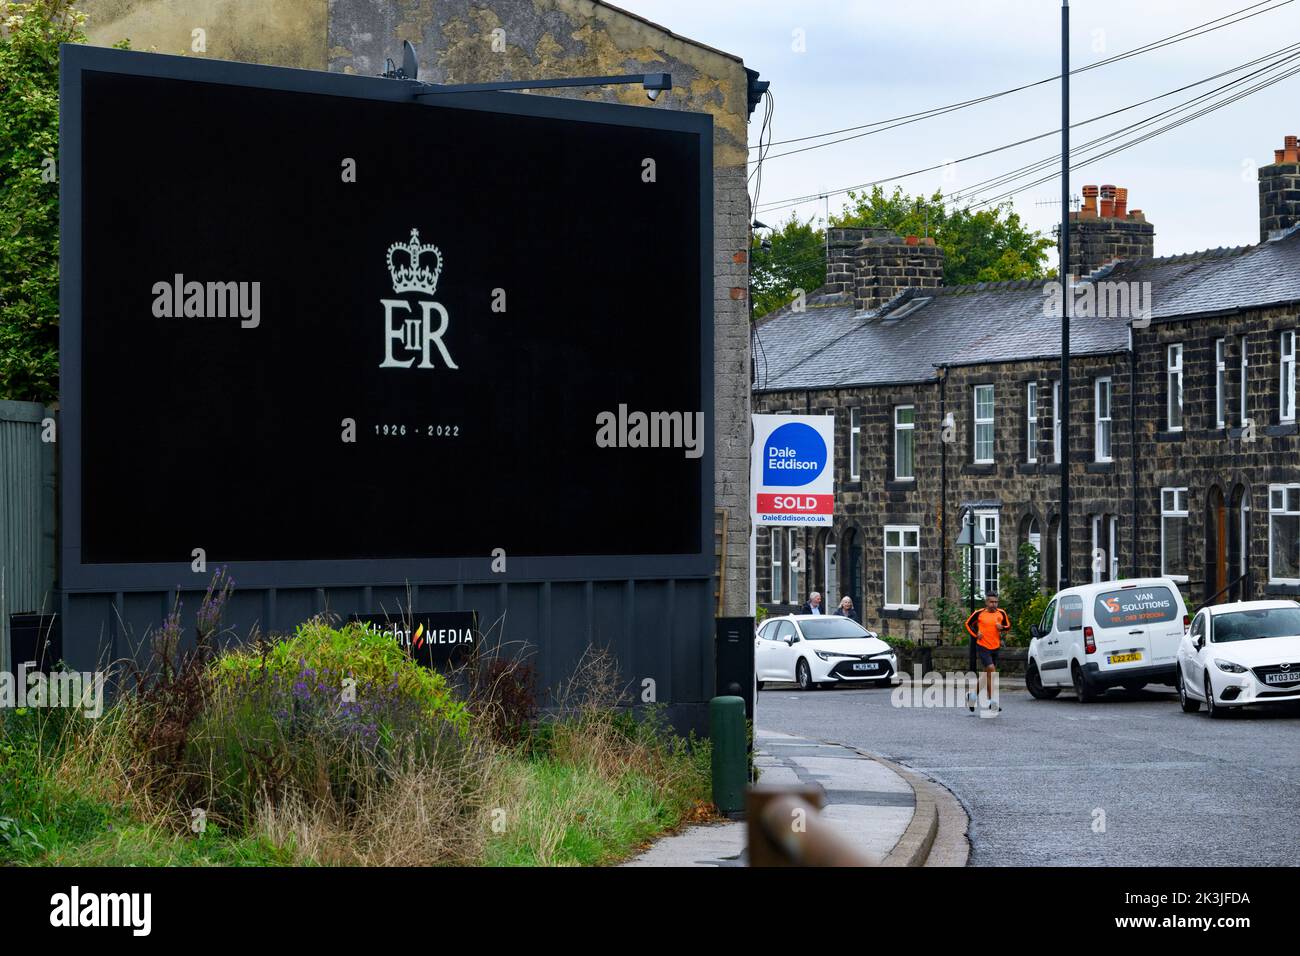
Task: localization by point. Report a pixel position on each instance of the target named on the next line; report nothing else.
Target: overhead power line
(906, 119)
(1278, 58)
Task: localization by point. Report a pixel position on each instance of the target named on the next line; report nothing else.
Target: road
(1041, 778)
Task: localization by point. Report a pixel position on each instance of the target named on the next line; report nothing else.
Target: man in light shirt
(814, 605)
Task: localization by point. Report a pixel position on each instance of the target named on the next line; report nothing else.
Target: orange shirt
(985, 626)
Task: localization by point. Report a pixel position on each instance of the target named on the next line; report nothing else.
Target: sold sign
(791, 470)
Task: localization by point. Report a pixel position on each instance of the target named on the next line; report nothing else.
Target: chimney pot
(1279, 207)
(1121, 203)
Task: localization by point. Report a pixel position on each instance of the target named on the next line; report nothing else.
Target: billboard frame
(77, 576)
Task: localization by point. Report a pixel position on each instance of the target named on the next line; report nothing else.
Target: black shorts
(987, 657)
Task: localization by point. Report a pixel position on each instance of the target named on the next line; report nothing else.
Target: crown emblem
(411, 276)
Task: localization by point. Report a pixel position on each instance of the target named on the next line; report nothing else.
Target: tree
(985, 245)
(30, 34)
(796, 259)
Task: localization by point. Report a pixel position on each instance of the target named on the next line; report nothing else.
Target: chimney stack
(885, 264)
(1279, 191)
(1102, 232)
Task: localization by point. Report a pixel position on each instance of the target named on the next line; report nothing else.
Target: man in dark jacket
(814, 605)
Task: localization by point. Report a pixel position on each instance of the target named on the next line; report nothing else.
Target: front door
(831, 597)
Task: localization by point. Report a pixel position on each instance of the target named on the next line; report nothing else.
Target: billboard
(792, 469)
(324, 332)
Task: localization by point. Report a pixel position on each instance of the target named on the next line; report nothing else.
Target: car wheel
(1083, 690)
(1190, 705)
(1211, 708)
(1034, 683)
(803, 675)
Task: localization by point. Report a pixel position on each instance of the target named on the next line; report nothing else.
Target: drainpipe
(943, 486)
(1133, 443)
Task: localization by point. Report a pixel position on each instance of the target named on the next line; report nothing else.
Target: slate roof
(830, 345)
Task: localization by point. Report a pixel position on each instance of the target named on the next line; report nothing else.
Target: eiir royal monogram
(414, 334)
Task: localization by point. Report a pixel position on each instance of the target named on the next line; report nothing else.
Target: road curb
(937, 835)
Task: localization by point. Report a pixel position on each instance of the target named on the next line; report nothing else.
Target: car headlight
(1228, 666)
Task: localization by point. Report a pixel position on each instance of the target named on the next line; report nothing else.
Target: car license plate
(1124, 658)
(871, 666)
(1281, 678)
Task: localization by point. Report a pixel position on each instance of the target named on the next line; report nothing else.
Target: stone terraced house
(1180, 422)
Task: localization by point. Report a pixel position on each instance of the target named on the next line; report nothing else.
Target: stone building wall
(864, 506)
(1211, 461)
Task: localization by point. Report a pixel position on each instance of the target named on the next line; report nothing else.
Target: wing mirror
(1034, 631)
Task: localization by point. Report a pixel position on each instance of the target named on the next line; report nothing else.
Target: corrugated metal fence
(27, 516)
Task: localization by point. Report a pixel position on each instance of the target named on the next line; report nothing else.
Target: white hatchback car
(1109, 634)
(1247, 652)
(815, 650)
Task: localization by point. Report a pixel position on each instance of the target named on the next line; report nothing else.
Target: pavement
(887, 813)
(1127, 781)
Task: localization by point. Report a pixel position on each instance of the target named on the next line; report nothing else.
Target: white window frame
(1105, 536)
(1056, 421)
(1169, 508)
(902, 549)
(1245, 365)
(1102, 425)
(1174, 374)
(991, 543)
(900, 427)
(791, 543)
(1220, 383)
(1286, 491)
(1031, 422)
(855, 443)
(778, 566)
(1286, 377)
(979, 423)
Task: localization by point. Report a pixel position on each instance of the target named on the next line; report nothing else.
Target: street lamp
(1068, 300)
(971, 537)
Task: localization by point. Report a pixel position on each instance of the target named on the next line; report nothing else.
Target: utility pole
(1068, 304)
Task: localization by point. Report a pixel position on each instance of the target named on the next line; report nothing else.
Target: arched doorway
(1216, 546)
(1030, 534)
(1239, 544)
(1052, 563)
(851, 582)
(831, 579)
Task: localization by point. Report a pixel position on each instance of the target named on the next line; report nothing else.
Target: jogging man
(988, 625)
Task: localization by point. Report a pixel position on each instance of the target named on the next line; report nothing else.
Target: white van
(1110, 634)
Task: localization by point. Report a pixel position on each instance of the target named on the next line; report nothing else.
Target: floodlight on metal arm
(653, 83)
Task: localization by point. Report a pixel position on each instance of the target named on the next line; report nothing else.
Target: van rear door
(1138, 626)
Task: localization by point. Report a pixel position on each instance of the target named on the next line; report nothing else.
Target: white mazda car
(816, 650)
(1243, 653)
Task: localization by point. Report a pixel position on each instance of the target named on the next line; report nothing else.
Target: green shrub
(30, 34)
(354, 650)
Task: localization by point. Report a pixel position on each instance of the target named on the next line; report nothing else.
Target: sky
(868, 60)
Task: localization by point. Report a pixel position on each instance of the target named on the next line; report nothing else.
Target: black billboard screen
(318, 327)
